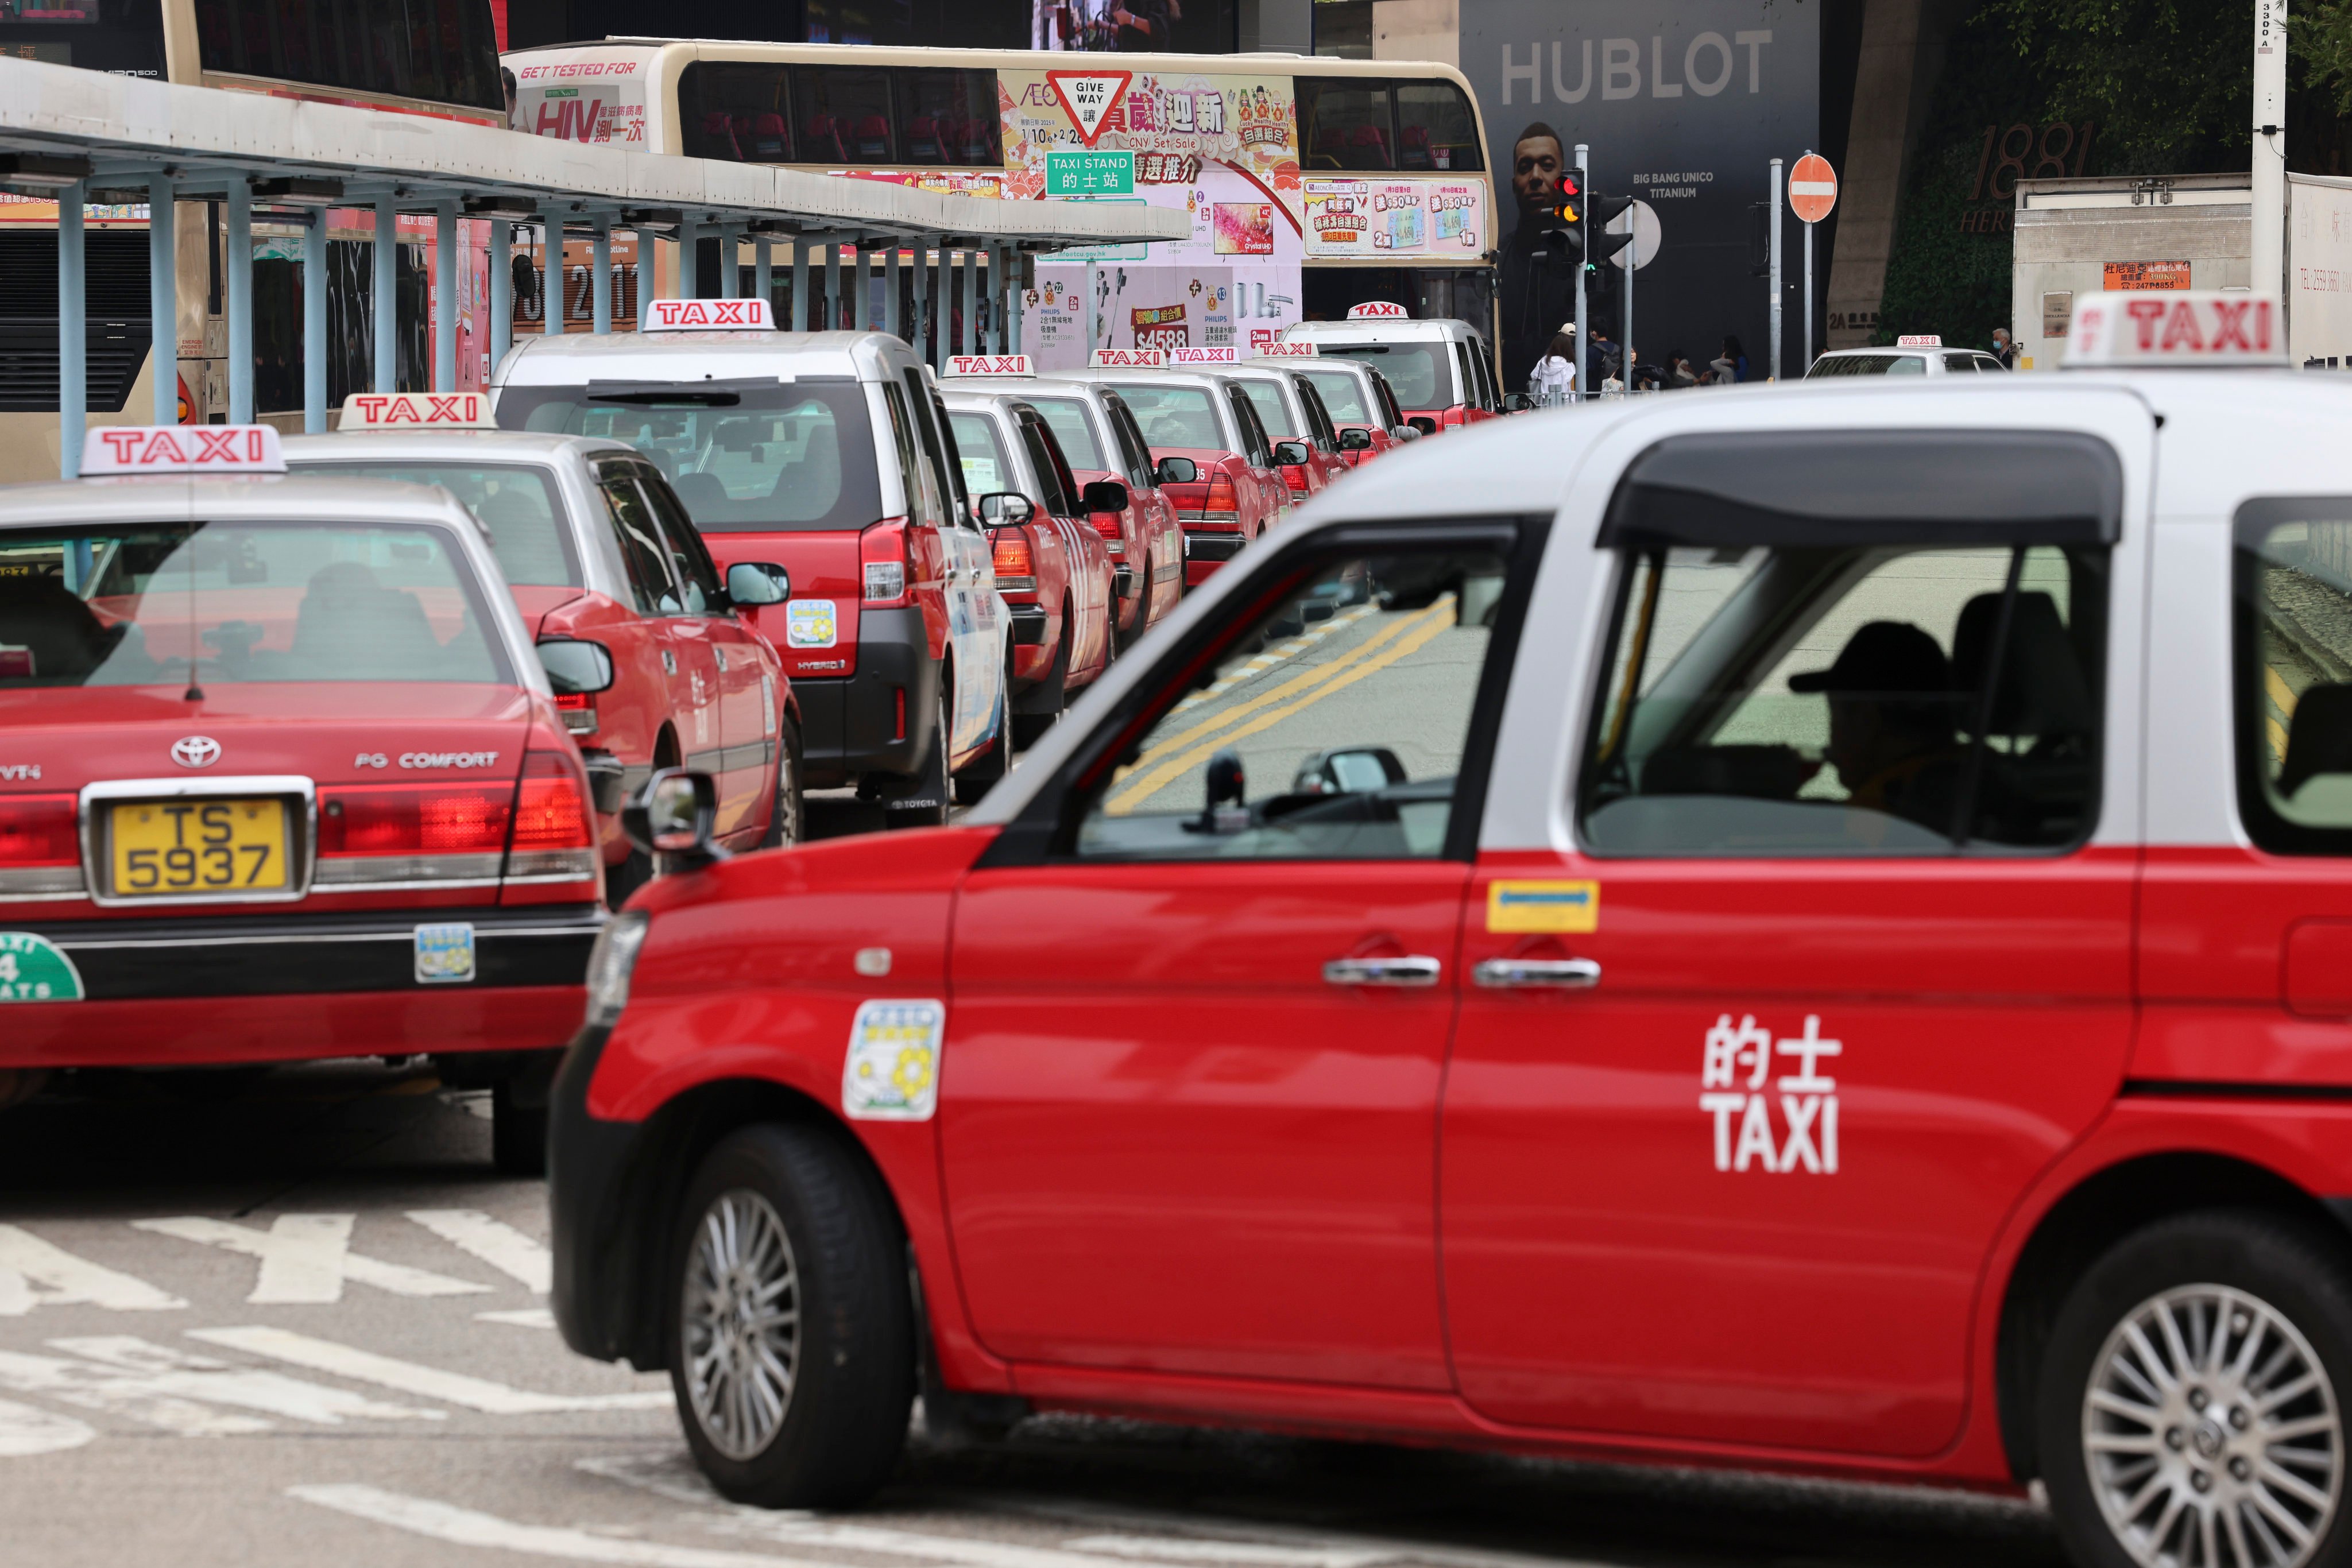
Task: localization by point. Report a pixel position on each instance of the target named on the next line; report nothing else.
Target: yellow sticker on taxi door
(1549, 906)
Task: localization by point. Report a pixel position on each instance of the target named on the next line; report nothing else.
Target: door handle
(1558, 974)
(1410, 970)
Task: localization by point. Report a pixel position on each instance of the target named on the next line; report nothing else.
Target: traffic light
(1600, 212)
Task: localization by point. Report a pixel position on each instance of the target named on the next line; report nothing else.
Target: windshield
(1266, 398)
(1342, 398)
(187, 604)
(1067, 418)
(744, 457)
(516, 506)
(1420, 373)
(1174, 416)
(986, 469)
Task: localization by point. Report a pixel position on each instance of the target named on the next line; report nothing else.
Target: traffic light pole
(1632, 255)
(1583, 387)
(1774, 374)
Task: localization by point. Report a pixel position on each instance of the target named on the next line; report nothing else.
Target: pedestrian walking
(1553, 380)
(2004, 348)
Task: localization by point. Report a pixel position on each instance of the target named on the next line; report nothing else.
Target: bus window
(844, 114)
(123, 36)
(441, 50)
(738, 112)
(1435, 130)
(949, 118)
(1343, 123)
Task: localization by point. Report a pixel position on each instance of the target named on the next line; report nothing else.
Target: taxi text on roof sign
(402, 411)
(1919, 340)
(1127, 359)
(1377, 310)
(1227, 355)
(182, 449)
(709, 316)
(1298, 350)
(2183, 327)
(991, 365)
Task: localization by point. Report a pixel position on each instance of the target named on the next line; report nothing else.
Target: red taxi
(281, 778)
(1438, 368)
(1213, 457)
(1053, 566)
(1357, 398)
(1305, 446)
(655, 664)
(1877, 961)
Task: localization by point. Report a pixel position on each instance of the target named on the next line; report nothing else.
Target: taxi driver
(1892, 738)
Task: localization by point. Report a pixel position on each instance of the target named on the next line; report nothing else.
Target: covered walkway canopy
(81, 136)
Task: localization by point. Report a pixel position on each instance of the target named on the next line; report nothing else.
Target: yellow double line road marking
(1405, 637)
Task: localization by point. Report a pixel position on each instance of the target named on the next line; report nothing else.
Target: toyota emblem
(195, 751)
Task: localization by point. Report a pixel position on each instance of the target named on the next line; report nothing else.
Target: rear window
(1067, 418)
(744, 457)
(1342, 398)
(203, 604)
(1266, 398)
(986, 469)
(516, 506)
(1418, 372)
(2294, 675)
(1174, 416)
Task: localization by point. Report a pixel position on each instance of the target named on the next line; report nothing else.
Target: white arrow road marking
(25, 1431)
(306, 1257)
(409, 1377)
(464, 1527)
(94, 1387)
(494, 1241)
(522, 1318)
(26, 1260)
(169, 1371)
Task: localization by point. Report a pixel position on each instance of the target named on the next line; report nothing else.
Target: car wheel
(933, 785)
(2191, 1404)
(791, 1336)
(787, 820)
(518, 1133)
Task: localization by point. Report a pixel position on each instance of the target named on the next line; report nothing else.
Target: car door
(1163, 534)
(746, 697)
(1205, 1142)
(971, 597)
(1273, 503)
(1082, 547)
(689, 672)
(1830, 952)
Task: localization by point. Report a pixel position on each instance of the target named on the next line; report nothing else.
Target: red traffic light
(1567, 187)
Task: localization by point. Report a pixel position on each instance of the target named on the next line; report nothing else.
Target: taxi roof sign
(416, 411)
(1225, 355)
(119, 449)
(709, 316)
(1377, 310)
(1127, 359)
(1301, 350)
(991, 365)
(1920, 340)
(2193, 328)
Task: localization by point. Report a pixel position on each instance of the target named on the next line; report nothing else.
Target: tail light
(1224, 504)
(373, 834)
(40, 845)
(1016, 568)
(579, 711)
(1295, 475)
(882, 555)
(554, 824)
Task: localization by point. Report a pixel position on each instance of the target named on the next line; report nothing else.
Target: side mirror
(1422, 424)
(1517, 402)
(1224, 810)
(1289, 454)
(1003, 508)
(1361, 769)
(674, 819)
(1353, 439)
(576, 669)
(1105, 496)
(756, 582)
(1177, 471)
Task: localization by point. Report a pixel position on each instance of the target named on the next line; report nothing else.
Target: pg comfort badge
(892, 1070)
(1543, 906)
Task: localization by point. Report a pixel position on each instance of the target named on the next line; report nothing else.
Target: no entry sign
(1813, 188)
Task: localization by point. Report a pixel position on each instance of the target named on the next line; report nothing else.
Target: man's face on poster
(1535, 173)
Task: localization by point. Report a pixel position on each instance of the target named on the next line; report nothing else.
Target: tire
(518, 1133)
(1050, 700)
(935, 780)
(2207, 1449)
(846, 1360)
(787, 818)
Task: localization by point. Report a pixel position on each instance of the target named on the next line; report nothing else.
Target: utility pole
(1775, 373)
(1584, 233)
(1633, 261)
(2269, 267)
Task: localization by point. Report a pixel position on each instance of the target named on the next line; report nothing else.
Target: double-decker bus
(1313, 184)
(435, 58)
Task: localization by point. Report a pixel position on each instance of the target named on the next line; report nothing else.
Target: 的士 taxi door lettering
(1738, 1059)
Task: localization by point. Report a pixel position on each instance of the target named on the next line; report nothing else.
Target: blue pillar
(73, 334)
(832, 285)
(551, 277)
(501, 291)
(861, 307)
(730, 278)
(763, 272)
(444, 297)
(890, 290)
(387, 302)
(800, 283)
(689, 241)
(970, 269)
(238, 264)
(163, 298)
(1012, 298)
(922, 294)
(599, 278)
(314, 324)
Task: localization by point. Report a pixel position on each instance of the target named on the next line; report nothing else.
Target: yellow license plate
(164, 848)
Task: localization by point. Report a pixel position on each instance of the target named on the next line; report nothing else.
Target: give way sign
(1813, 188)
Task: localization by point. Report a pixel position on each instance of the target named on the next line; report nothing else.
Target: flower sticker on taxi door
(892, 1071)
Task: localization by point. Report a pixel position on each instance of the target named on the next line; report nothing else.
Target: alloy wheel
(740, 1323)
(2211, 1434)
